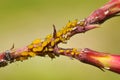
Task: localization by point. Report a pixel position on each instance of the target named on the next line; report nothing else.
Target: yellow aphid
(57, 39)
(64, 31)
(82, 23)
(63, 39)
(48, 40)
(74, 50)
(69, 29)
(23, 58)
(37, 41)
(51, 49)
(32, 54)
(34, 49)
(30, 46)
(74, 23)
(59, 33)
(49, 36)
(44, 43)
(67, 51)
(52, 43)
(77, 53)
(69, 24)
(37, 49)
(72, 53)
(61, 51)
(24, 53)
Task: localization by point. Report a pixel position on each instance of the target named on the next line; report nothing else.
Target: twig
(49, 46)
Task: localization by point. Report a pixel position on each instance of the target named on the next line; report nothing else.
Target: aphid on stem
(7, 55)
(3, 63)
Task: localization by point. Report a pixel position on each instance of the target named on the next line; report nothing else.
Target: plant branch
(49, 46)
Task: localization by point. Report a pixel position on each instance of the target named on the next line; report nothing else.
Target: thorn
(92, 26)
(101, 69)
(12, 47)
(54, 32)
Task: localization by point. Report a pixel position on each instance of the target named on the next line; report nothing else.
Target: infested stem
(49, 46)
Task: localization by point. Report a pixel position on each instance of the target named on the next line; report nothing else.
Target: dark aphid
(3, 63)
(7, 55)
(51, 55)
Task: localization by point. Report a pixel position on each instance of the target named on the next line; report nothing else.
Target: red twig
(98, 59)
(49, 46)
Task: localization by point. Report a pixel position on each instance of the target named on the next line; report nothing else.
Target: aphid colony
(44, 47)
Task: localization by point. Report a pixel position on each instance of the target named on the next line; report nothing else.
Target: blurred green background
(22, 21)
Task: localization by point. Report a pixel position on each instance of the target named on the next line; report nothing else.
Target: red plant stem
(101, 60)
(105, 12)
(48, 46)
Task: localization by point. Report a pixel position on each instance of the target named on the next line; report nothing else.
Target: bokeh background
(22, 21)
